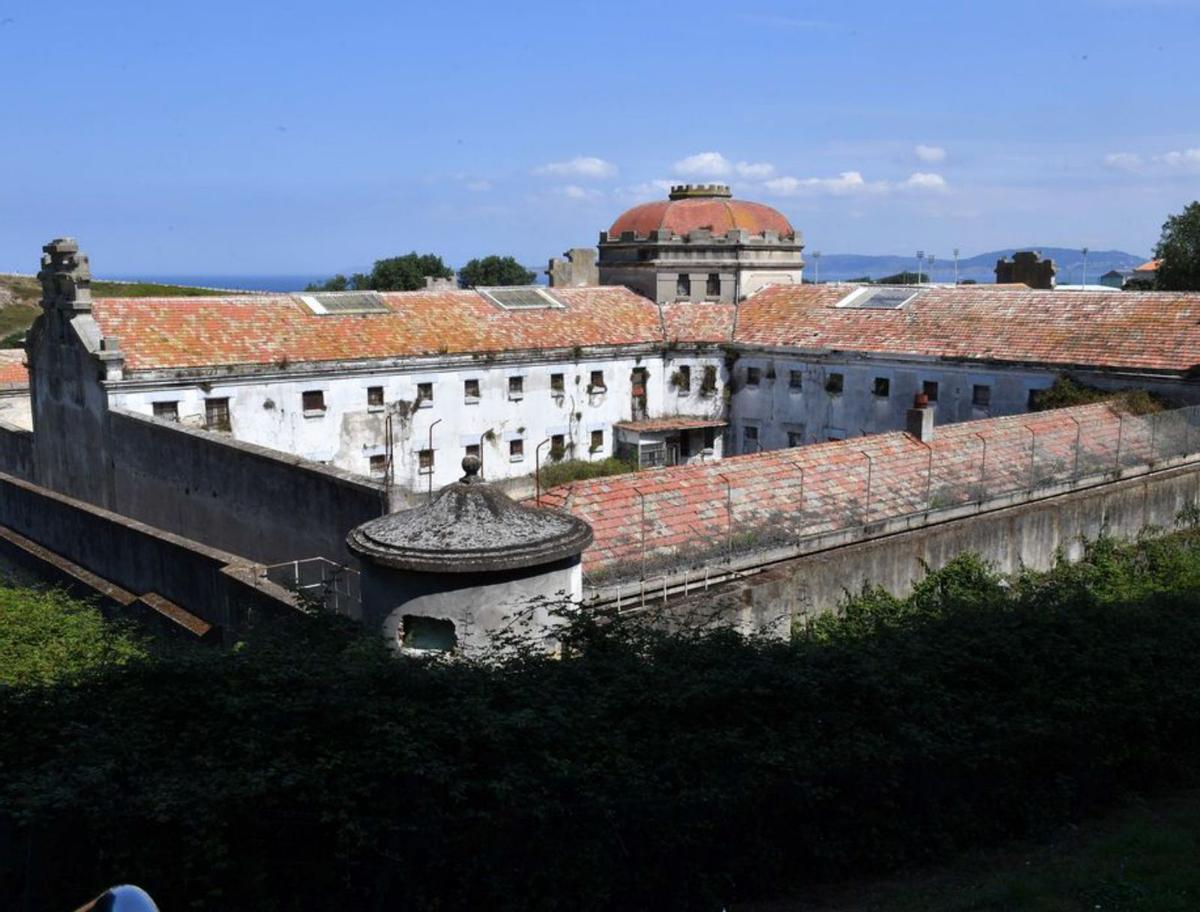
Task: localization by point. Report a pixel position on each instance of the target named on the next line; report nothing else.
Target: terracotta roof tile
(14, 372)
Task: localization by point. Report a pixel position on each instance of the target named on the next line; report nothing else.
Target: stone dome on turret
(702, 206)
(470, 527)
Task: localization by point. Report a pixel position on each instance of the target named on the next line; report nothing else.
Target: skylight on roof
(879, 297)
(520, 297)
(345, 302)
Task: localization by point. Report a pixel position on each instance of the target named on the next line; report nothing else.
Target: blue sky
(271, 137)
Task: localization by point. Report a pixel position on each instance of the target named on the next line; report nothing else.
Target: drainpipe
(431, 466)
(537, 471)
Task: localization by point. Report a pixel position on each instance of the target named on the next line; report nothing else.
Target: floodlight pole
(929, 267)
(956, 266)
(1083, 284)
(920, 257)
(817, 266)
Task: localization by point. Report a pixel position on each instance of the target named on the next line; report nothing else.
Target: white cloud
(852, 183)
(931, 155)
(651, 189)
(576, 192)
(925, 180)
(478, 186)
(703, 164)
(1188, 158)
(755, 170)
(587, 166)
(1123, 161)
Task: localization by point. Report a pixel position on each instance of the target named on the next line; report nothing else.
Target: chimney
(919, 419)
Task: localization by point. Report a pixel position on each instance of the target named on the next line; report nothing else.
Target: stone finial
(65, 276)
(471, 466)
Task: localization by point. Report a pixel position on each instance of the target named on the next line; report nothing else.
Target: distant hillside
(981, 267)
(20, 294)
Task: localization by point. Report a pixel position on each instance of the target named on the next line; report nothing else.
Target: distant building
(700, 244)
(1026, 268)
(1113, 279)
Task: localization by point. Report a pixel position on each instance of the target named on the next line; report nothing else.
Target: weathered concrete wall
(16, 451)
(1028, 535)
(214, 585)
(258, 503)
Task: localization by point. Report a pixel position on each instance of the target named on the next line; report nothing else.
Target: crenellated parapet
(66, 277)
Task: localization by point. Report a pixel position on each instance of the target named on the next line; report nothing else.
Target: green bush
(1067, 392)
(556, 473)
(307, 769)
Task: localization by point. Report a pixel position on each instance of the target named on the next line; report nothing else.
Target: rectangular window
(683, 286)
(558, 446)
(795, 438)
(516, 387)
(710, 438)
(471, 390)
(424, 393)
(708, 385)
(597, 441)
(167, 411)
(379, 465)
(597, 382)
(516, 450)
(425, 460)
(314, 402)
(753, 376)
(796, 380)
(930, 389)
(375, 397)
(683, 378)
(750, 439)
(981, 396)
(471, 449)
(883, 387)
(558, 384)
(834, 384)
(712, 287)
(216, 414)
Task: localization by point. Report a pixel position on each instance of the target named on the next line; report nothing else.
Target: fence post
(867, 499)
(1032, 455)
(642, 497)
(800, 532)
(1078, 435)
(1120, 434)
(928, 472)
(1153, 437)
(728, 516)
(982, 468)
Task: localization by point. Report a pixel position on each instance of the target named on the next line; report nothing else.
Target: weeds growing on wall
(308, 769)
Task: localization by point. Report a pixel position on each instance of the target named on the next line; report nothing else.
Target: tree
(1178, 251)
(903, 278)
(494, 270)
(400, 273)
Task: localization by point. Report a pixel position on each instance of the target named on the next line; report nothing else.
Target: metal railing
(320, 582)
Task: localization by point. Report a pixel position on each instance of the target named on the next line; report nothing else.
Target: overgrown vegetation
(556, 473)
(307, 768)
(1067, 392)
(398, 273)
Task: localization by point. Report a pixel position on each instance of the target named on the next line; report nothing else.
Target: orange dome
(709, 207)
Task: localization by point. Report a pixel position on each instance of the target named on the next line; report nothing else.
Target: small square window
(516, 449)
(471, 389)
(516, 387)
(597, 382)
(314, 402)
(930, 389)
(750, 439)
(375, 397)
(379, 465)
(981, 396)
(883, 387)
(167, 411)
(424, 393)
(425, 460)
(216, 414)
(795, 438)
(835, 383)
(753, 376)
(796, 380)
(557, 384)
(558, 446)
(683, 286)
(708, 385)
(597, 443)
(471, 449)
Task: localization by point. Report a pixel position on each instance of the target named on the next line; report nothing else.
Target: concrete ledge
(78, 581)
(175, 619)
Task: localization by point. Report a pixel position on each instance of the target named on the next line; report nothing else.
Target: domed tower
(448, 575)
(700, 244)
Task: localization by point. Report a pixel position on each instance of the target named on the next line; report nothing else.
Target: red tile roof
(1133, 330)
(157, 333)
(718, 215)
(13, 371)
(698, 322)
(671, 423)
(780, 496)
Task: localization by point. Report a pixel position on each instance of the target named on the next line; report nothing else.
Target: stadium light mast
(1083, 284)
(817, 266)
(920, 257)
(929, 267)
(956, 266)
